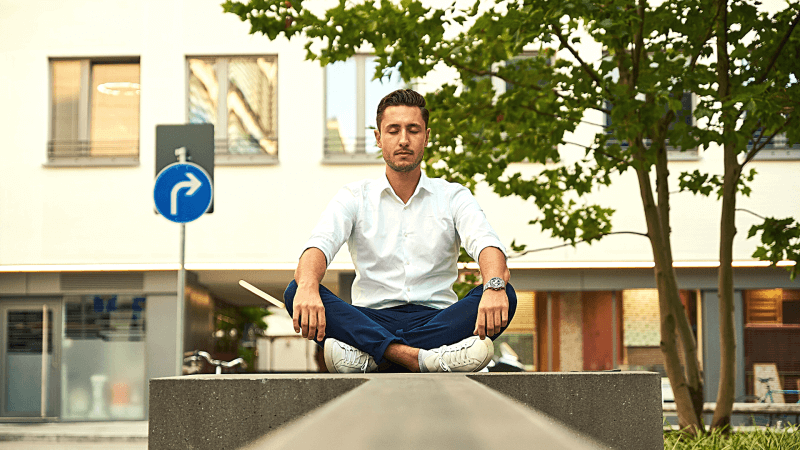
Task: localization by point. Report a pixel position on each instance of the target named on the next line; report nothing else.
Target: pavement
(130, 432)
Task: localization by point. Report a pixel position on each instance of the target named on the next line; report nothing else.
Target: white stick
(261, 294)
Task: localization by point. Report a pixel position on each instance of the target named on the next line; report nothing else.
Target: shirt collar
(424, 183)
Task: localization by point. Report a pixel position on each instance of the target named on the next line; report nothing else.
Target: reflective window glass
(375, 90)
(340, 105)
(115, 109)
(66, 97)
(203, 91)
(94, 109)
(243, 110)
(352, 95)
(103, 364)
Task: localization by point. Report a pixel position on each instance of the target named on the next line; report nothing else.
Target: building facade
(89, 304)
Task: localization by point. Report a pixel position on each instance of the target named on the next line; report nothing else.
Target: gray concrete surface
(228, 411)
(84, 432)
(424, 411)
(111, 445)
(620, 409)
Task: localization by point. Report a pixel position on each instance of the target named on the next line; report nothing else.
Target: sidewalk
(75, 431)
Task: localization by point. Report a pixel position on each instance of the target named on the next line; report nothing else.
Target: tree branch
(709, 33)
(576, 242)
(489, 73)
(779, 50)
(757, 148)
(586, 68)
(639, 41)
(750, 212)
(601, 152)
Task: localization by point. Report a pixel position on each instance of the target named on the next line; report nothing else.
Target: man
(404, 231)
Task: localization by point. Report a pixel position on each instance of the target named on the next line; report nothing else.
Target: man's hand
(309, 314)
(492, 313)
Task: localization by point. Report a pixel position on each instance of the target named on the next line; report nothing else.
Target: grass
(761, 439)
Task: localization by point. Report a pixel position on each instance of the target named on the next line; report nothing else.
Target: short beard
(404, 169)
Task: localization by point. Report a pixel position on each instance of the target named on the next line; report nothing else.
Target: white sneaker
(470, 355)
(343, 358)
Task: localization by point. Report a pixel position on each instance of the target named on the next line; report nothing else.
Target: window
(351, 101)
(94, 111)
(772, 306)
(103, 374)
(777, 147)
(684, 115)
(239, 96)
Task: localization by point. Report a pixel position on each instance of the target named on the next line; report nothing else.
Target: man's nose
(404, 138)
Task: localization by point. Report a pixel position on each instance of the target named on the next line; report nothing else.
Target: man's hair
(402, 97)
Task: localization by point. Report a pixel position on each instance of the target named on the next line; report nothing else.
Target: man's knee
(512, 301)
(288, 296)
(512, 297)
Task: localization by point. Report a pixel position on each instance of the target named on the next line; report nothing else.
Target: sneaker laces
(352, 356)
(457, 352)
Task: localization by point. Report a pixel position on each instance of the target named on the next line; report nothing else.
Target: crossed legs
(398, 334)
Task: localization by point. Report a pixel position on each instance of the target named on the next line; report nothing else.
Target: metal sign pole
(45, 366)
(181, 154)
(183, 192)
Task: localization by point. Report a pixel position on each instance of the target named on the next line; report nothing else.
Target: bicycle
(770, 391)
(197, 356)
(768, 397)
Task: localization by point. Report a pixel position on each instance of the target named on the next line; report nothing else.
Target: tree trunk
(727, 336)
(688, 418)
(687, 338)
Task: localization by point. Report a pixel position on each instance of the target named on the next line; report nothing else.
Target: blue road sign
(183, 192)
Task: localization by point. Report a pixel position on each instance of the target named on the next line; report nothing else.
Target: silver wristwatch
(495, 283)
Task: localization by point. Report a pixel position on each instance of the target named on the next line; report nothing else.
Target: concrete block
(573, 411)
(620, 409)
(425, 411)
(227, 411)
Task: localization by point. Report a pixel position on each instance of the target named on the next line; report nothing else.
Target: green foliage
(704, 184)
(764, 439)
(654, 53)
(471, 278)
(240, 326)
(780, 239)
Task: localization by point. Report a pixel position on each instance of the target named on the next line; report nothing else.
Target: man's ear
(377, 138)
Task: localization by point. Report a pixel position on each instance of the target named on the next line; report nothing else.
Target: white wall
(263, 214)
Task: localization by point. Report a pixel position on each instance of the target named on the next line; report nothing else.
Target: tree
(726, 53)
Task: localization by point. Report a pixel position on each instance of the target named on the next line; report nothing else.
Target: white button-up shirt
(403, 253)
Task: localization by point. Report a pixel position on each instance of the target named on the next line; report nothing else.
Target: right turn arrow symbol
(193, 184)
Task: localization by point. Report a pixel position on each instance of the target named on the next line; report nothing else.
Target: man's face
(402, 137)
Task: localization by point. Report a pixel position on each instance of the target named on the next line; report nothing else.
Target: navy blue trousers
(372, 330)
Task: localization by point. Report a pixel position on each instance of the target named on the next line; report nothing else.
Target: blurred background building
(88, 270)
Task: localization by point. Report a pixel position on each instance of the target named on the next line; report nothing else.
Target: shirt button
(408, 289)
(407, 263)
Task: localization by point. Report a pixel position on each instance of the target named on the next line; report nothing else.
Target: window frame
(361, 115)
(775, 153)
(221, 132)
(84, 116)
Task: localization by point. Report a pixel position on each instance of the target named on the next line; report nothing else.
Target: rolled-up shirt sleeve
(472, 226)
(335, 225)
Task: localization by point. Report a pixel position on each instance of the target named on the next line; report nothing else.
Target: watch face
(496, 283)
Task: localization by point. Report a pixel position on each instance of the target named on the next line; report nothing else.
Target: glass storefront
(103, 363)
(29, 357)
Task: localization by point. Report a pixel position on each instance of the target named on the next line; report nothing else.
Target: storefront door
(30, 353)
